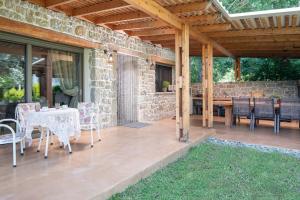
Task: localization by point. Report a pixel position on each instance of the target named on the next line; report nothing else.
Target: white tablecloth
(64, 123)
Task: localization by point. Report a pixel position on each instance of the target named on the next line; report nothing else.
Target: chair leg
(40, 140)
(98, 133)
(47, 144)
(92, 138)
(278, 124)
(21, 148)
(69, 147)
(24, 144)
(252, 122)
(14, 154)
(51, 138)
(275, 124)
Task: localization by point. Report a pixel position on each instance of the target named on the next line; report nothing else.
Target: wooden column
(182, 84)
(237, 69)
(178, 75)
(207, 85)
(186, 81)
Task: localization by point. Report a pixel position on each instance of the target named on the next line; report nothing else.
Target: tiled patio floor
(122, 157)
(289, 136)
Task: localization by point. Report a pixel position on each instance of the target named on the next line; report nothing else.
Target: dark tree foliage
(253, 69)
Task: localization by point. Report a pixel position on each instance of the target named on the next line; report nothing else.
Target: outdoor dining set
(277, 110)
(61, 122)
(255, 109)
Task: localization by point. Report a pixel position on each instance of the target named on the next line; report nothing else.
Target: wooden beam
(191, 20)
(266, 32)
(99, 7)
(159, 38)
(43, 34)
(161, 60)
(54, 3)
(213, 28)
(185, 82)
(188, 7)
(207, 85)
(151, 32)
(121, 17)
(156, 11)
(203, 19)
(237, 69)
(139, 25)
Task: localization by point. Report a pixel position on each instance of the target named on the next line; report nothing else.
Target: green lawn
(212, 171)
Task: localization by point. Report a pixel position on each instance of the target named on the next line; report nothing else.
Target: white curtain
(64, 67)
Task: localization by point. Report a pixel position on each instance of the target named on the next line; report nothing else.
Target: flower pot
(165, 89)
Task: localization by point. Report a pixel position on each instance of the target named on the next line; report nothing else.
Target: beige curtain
(64, 67)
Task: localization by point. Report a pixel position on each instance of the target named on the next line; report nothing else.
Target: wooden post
(178, 74)
(186, 81)
(207, 85)
(182, 84)
(237, 69)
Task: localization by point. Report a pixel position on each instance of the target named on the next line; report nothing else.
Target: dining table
(226, 102)
(63, 123)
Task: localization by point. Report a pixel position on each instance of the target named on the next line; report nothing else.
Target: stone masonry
(283, 89)
(153, 105)
(103, 75)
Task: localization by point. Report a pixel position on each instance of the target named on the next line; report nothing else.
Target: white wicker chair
(21, 109)
(13, 137)
(89, 119)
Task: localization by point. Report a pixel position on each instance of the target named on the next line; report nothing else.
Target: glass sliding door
(55, 77)
(12, 77)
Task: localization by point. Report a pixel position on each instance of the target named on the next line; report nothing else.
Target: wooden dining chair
(289, 110)
(264, 109)
(241, 108)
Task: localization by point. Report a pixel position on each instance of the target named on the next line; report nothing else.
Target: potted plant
(165, 86)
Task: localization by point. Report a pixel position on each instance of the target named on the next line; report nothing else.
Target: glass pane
(55, 77)
(12, 78)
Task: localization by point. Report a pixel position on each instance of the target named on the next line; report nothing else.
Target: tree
(252, 69)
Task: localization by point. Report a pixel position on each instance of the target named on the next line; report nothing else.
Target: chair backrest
(88, 113)
(22, 109)
(264, 108)
(241, 106)
(290, 109)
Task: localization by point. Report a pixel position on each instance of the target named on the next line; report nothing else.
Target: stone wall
(286, 89)
(103, 75)
(153, 105)
(103, 86)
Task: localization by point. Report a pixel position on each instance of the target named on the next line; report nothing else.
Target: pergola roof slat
(155, 20)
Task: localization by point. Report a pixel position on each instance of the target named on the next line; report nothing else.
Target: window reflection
(12, 78)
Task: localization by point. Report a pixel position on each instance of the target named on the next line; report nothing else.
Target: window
(12, 78)
(39, 71)
(162, 74)
(54, 76)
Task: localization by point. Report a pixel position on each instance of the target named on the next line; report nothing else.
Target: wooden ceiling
(258, 34)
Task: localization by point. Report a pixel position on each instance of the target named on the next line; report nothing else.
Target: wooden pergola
(193, 27)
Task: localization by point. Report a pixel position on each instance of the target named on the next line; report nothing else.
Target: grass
(211, 171)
